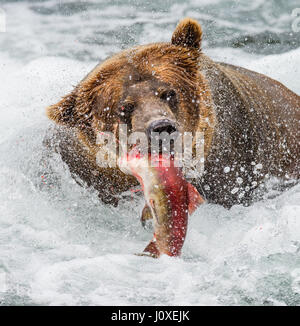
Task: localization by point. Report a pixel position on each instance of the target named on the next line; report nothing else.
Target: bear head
(155, 87)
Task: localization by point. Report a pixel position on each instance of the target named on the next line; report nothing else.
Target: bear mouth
(161, 136)
(160, 147)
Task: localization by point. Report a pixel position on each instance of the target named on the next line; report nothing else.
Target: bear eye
(169, 96)
(126, 110)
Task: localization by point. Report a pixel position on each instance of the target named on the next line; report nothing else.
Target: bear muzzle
(163, 125)
(162, 131)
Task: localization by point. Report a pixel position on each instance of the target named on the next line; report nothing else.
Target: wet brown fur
(247, 118)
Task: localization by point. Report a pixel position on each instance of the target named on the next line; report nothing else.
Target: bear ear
(63, 112)
(188, 33)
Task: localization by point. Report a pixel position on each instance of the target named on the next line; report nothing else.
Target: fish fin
(195, 199)
(146, 215)
(152, 248)
(146, 254)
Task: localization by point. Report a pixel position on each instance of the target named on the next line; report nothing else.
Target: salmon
(170, 199)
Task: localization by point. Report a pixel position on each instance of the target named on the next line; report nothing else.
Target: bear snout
(158, 132)
(163, 125)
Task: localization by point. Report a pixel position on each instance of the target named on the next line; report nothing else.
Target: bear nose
(164, 125)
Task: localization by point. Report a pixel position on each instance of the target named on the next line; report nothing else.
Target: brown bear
(250, 122)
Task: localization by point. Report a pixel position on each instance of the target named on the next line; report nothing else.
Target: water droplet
(226, 169)
(239, 180)
(234, 190)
